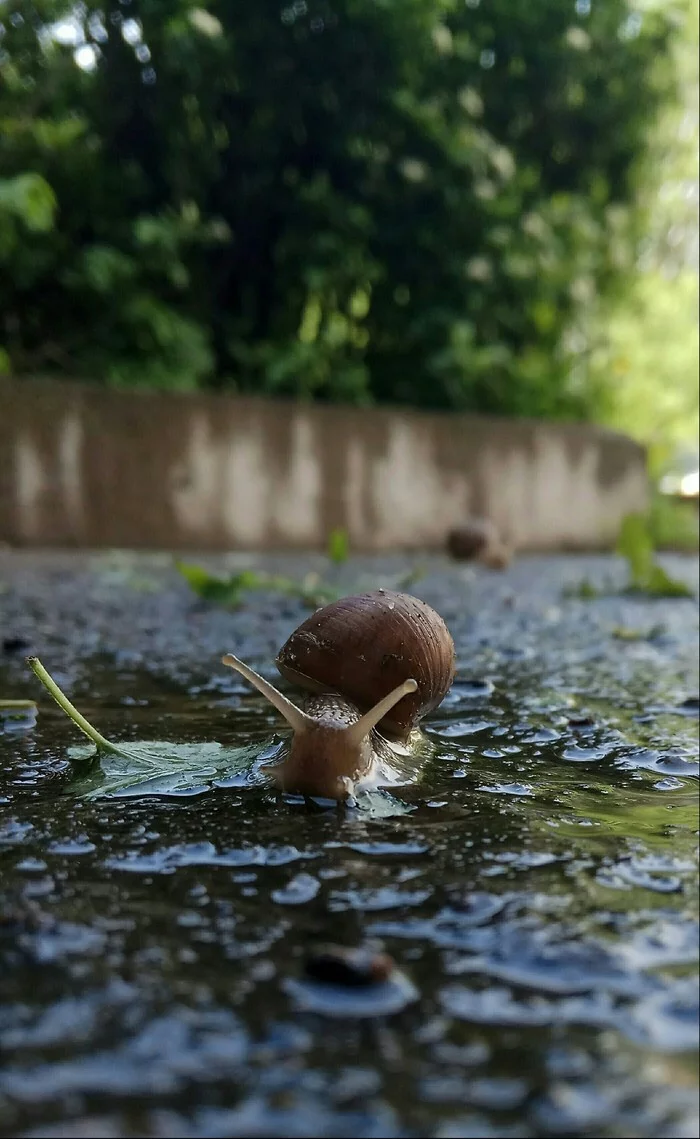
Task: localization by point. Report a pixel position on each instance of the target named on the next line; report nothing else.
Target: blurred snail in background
(478, 539)
(373, 665)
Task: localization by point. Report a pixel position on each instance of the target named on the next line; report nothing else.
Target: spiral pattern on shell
(364, 646)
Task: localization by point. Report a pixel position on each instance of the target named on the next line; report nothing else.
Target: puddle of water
(537, 887)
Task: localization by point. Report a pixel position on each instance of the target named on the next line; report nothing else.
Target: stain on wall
(82, 465)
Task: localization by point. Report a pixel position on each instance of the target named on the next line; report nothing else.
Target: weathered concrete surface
(86, 466)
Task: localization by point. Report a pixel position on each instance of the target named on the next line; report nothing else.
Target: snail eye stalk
(294, 716)
(364, 725)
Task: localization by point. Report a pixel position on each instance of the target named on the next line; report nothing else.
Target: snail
(373, 666)
(471, 539)
(478, 539)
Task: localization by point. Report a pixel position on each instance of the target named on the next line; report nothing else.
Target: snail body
(373, 666)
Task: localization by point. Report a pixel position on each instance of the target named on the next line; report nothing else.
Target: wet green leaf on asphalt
(661, 584)
(223, 590)
(229, 591)
(646, 576)
(158, 767)
(584, 590)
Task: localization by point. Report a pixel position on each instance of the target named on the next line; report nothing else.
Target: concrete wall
(83, 465)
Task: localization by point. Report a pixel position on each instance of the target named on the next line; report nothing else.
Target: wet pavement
(536, 884)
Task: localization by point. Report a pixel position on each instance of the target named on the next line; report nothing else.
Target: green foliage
(225, 591)
(359, 200)
(142, 766)
(674, 525)
(338, 546)
(312, 591)
(644, 346)
(648, 348)
(635, 543)
(157, 767)
(27, 198)
(636, 546)
(659, 583)
(583, 590)
(230, 591)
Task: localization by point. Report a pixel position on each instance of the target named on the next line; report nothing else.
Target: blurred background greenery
(453, 204)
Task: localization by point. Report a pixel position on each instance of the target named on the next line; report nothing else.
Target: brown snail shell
(365, 646)
(472, 539)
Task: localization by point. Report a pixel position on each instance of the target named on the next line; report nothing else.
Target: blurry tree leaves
(30, 199)
(429, 202)
(645, 347)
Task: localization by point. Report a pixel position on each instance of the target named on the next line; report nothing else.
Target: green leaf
(29, 198)
(225, 591)
(661, 584)
(583, 590)
(338, 546)
(646, 576)
(635, 545)
(146, 766)
(159, 767)
(107, 269)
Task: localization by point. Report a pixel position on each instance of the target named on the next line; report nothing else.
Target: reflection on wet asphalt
(537, 886)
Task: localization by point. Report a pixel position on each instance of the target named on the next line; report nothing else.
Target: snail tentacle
(294, 716)
(358, 731)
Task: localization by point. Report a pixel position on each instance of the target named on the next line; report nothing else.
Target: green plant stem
(63, 702)
(17, 705)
